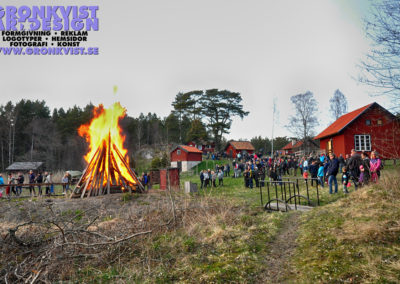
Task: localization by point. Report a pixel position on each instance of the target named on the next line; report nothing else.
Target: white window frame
(178, 152)
(362, 142)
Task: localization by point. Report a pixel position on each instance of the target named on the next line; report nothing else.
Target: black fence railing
(286, 193)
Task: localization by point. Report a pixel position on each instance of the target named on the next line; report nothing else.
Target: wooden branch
(107, 243)
(95, 175)
(90, 174)
(84, 172)
(127, 166)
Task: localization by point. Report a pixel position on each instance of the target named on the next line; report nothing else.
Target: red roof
(241, 145)
(342, 122)
(290, 145)
(190, 149)
(298, 144)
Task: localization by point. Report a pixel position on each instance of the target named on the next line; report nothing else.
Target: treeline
(264, 145)
(31, 131)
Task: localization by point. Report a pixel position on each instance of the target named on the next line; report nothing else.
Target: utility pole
(10, 142)
(273, 125)
(13, 143)
(32, 148)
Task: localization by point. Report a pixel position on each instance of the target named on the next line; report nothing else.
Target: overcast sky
(154, 49)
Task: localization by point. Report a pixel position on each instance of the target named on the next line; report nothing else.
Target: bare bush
(45, 240)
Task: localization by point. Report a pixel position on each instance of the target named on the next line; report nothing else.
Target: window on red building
(362, 142)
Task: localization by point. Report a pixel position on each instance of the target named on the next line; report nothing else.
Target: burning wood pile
(108, 168)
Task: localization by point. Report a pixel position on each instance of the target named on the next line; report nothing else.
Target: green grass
(207, 164)
(234, 189)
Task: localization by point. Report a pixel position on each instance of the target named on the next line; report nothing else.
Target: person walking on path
(332, 171)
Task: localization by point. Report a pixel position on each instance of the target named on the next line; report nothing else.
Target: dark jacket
(20, 179)
(333, 167)
(32, 178)
(354, 164)
(314, 170)
(39, 178)
(341, 161)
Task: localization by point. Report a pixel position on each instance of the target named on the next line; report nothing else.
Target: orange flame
(105, 122)
(104, 132)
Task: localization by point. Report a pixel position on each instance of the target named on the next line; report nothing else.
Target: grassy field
(234, 188)
(223, 235)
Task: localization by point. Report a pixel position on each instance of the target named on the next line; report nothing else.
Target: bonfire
(108, 168)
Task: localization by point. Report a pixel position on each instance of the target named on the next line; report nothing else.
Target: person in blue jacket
(321, 174)
(332, 172)
(1, 183)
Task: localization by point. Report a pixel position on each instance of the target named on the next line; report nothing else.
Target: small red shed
(370, 128)
(235, 147)
(185, 157)
(169, 178)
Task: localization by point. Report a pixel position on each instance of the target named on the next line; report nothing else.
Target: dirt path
(282, 249)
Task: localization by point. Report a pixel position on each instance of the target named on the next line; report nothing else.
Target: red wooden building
(185, 157)
(299, 148)
(235, 147)
(291, 148)
(203, 146)
(370, 128)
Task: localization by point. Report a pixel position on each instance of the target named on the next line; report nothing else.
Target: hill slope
(356, 239)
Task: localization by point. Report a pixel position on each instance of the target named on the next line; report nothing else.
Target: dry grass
(202, 239)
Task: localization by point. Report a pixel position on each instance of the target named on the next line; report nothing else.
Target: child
(345, 180)
(213, 178)
(321, 174)
(361, 178)
(220, 177)
(65, 183)
(305, 175)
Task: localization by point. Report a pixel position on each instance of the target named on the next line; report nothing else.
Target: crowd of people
(209, 177)
(355, 169)
(16, 182)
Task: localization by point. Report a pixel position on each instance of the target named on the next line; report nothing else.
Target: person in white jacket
(47, 181)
